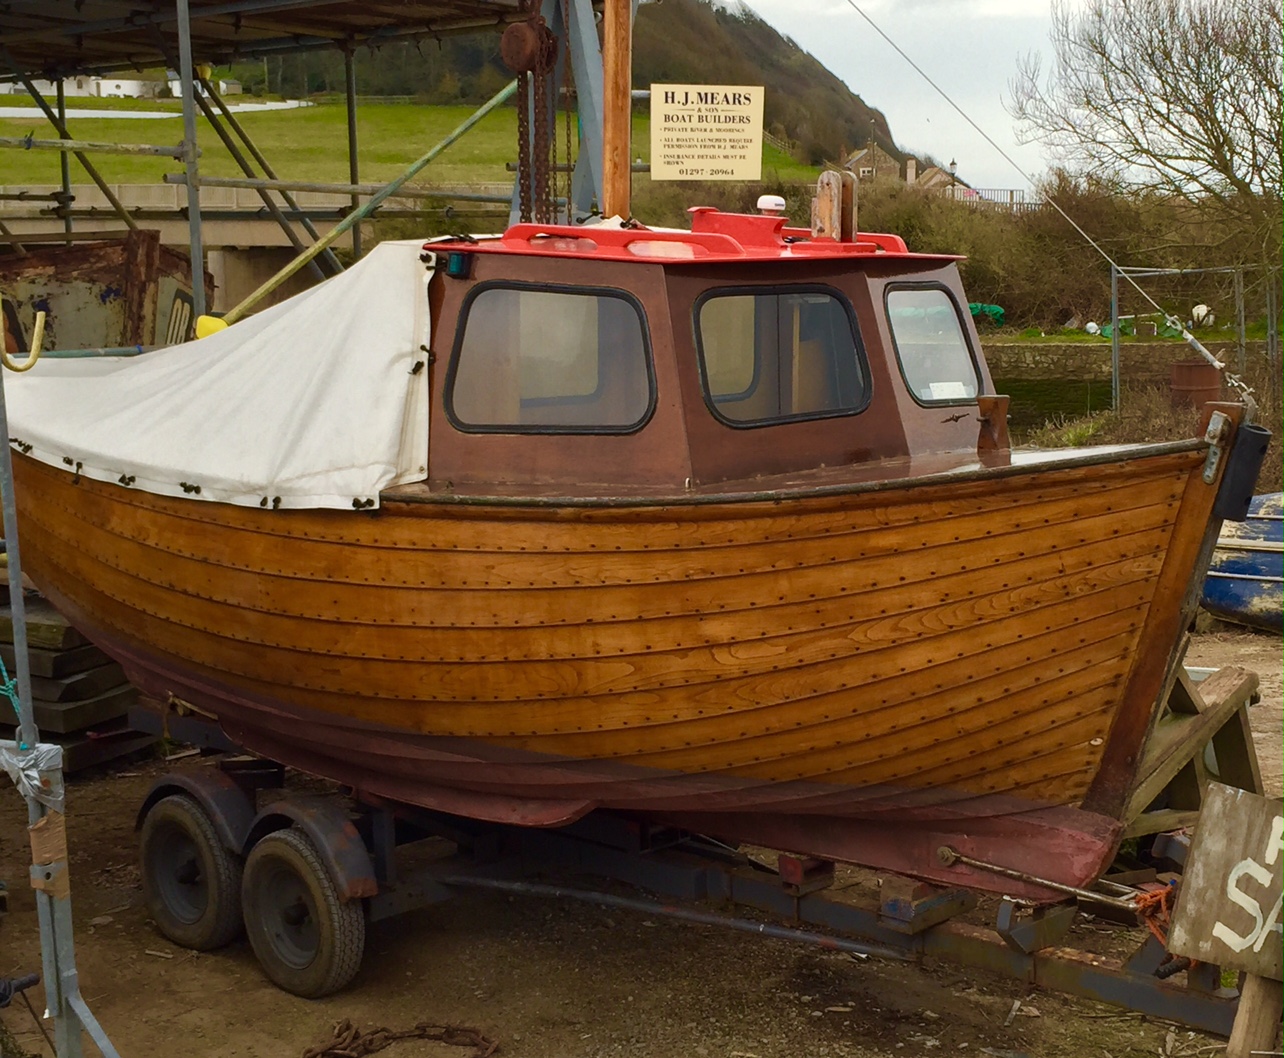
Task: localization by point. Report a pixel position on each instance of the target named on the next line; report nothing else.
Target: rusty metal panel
(1229, 911)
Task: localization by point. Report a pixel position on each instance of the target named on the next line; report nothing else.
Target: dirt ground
(550, 979)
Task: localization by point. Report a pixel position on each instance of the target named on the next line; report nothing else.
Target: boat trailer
(318, 867)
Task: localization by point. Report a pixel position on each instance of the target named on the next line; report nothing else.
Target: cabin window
(931, 346)
(550, 360)
(775, 354)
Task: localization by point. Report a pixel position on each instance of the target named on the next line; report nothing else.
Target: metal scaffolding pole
(61, 128)
(195, 248)
(230, 120)
(248, 170)
(36, 769)
(1114, 337)
(356, 190)
(350, 94)
(64, 164)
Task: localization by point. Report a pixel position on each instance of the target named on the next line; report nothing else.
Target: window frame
(923, 402)
(858, 347)
(461, 328)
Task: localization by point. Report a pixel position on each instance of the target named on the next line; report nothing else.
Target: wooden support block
(55, 664)
(1257, 1022)
(1185, 698)
(911, 906)
(46, 627)
(1161, 822)
(66, 717)
(110, 741)
(804, 874)
(80, 686)
(1178, 738)
(1237, 755)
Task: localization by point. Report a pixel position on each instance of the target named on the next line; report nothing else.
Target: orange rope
(1155, 912)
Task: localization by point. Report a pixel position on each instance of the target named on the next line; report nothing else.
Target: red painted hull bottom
(883, 827)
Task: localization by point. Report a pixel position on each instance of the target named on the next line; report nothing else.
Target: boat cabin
(653, 360)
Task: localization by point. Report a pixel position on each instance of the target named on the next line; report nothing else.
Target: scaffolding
(91, 39)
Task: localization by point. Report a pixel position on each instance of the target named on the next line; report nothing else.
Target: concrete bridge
(244, 244)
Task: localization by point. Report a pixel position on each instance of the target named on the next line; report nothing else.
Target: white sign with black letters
(706, 132)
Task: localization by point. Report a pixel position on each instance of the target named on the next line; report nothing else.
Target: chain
(348, 1041)
(524, 146)
(543, 143)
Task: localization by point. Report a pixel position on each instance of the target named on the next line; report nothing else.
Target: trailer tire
(191, 882)
(308, 940)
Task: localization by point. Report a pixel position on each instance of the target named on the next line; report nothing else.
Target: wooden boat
(720, 528)
(1246, 578)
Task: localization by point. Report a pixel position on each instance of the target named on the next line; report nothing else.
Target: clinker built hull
(978, 659)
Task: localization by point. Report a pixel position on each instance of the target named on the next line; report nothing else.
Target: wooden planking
(830, 726)
(912, 611)
(764, 643)
(511, 682)
(540, 609)
(501, 529)
(1158, 649)
(593, 553)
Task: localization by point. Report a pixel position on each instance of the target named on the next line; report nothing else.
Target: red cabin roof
(714, 236)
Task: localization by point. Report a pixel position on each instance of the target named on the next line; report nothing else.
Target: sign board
(706, 132)
(1229, 910)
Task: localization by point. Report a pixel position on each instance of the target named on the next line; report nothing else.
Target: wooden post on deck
(617, 76)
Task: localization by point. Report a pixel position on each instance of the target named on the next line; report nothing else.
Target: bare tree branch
(1178, 96)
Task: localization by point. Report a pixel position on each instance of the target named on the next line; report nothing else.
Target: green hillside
(688, 41)
(311, 144)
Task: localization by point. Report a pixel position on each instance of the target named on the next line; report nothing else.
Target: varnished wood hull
(949, 661)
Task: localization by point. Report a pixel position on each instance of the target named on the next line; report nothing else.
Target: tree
(1177, 96)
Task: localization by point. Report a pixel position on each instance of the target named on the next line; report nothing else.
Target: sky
(970, 48)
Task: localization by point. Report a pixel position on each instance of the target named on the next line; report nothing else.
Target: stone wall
(1140, 363)
(1063, 380)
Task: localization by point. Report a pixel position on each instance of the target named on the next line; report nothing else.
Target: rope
(1153, 909)
(349, 1041)
(9, 687)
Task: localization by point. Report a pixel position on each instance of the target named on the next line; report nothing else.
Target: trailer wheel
(308, 940)
(191, 882)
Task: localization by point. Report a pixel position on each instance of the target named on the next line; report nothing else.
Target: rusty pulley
(529, 47)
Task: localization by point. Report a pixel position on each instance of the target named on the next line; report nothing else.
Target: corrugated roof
(49, 40)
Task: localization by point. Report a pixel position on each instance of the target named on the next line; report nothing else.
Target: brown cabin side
(732, 371)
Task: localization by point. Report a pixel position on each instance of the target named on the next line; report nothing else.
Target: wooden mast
(617, 63)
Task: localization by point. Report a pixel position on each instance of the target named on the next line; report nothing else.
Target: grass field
(307, 144)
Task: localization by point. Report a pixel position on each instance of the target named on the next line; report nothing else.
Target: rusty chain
(523, 146)
(348, 1041)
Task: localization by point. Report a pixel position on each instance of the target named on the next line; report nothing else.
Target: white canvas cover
(315, 402)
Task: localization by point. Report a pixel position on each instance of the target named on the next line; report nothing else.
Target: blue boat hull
(1245, 582)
